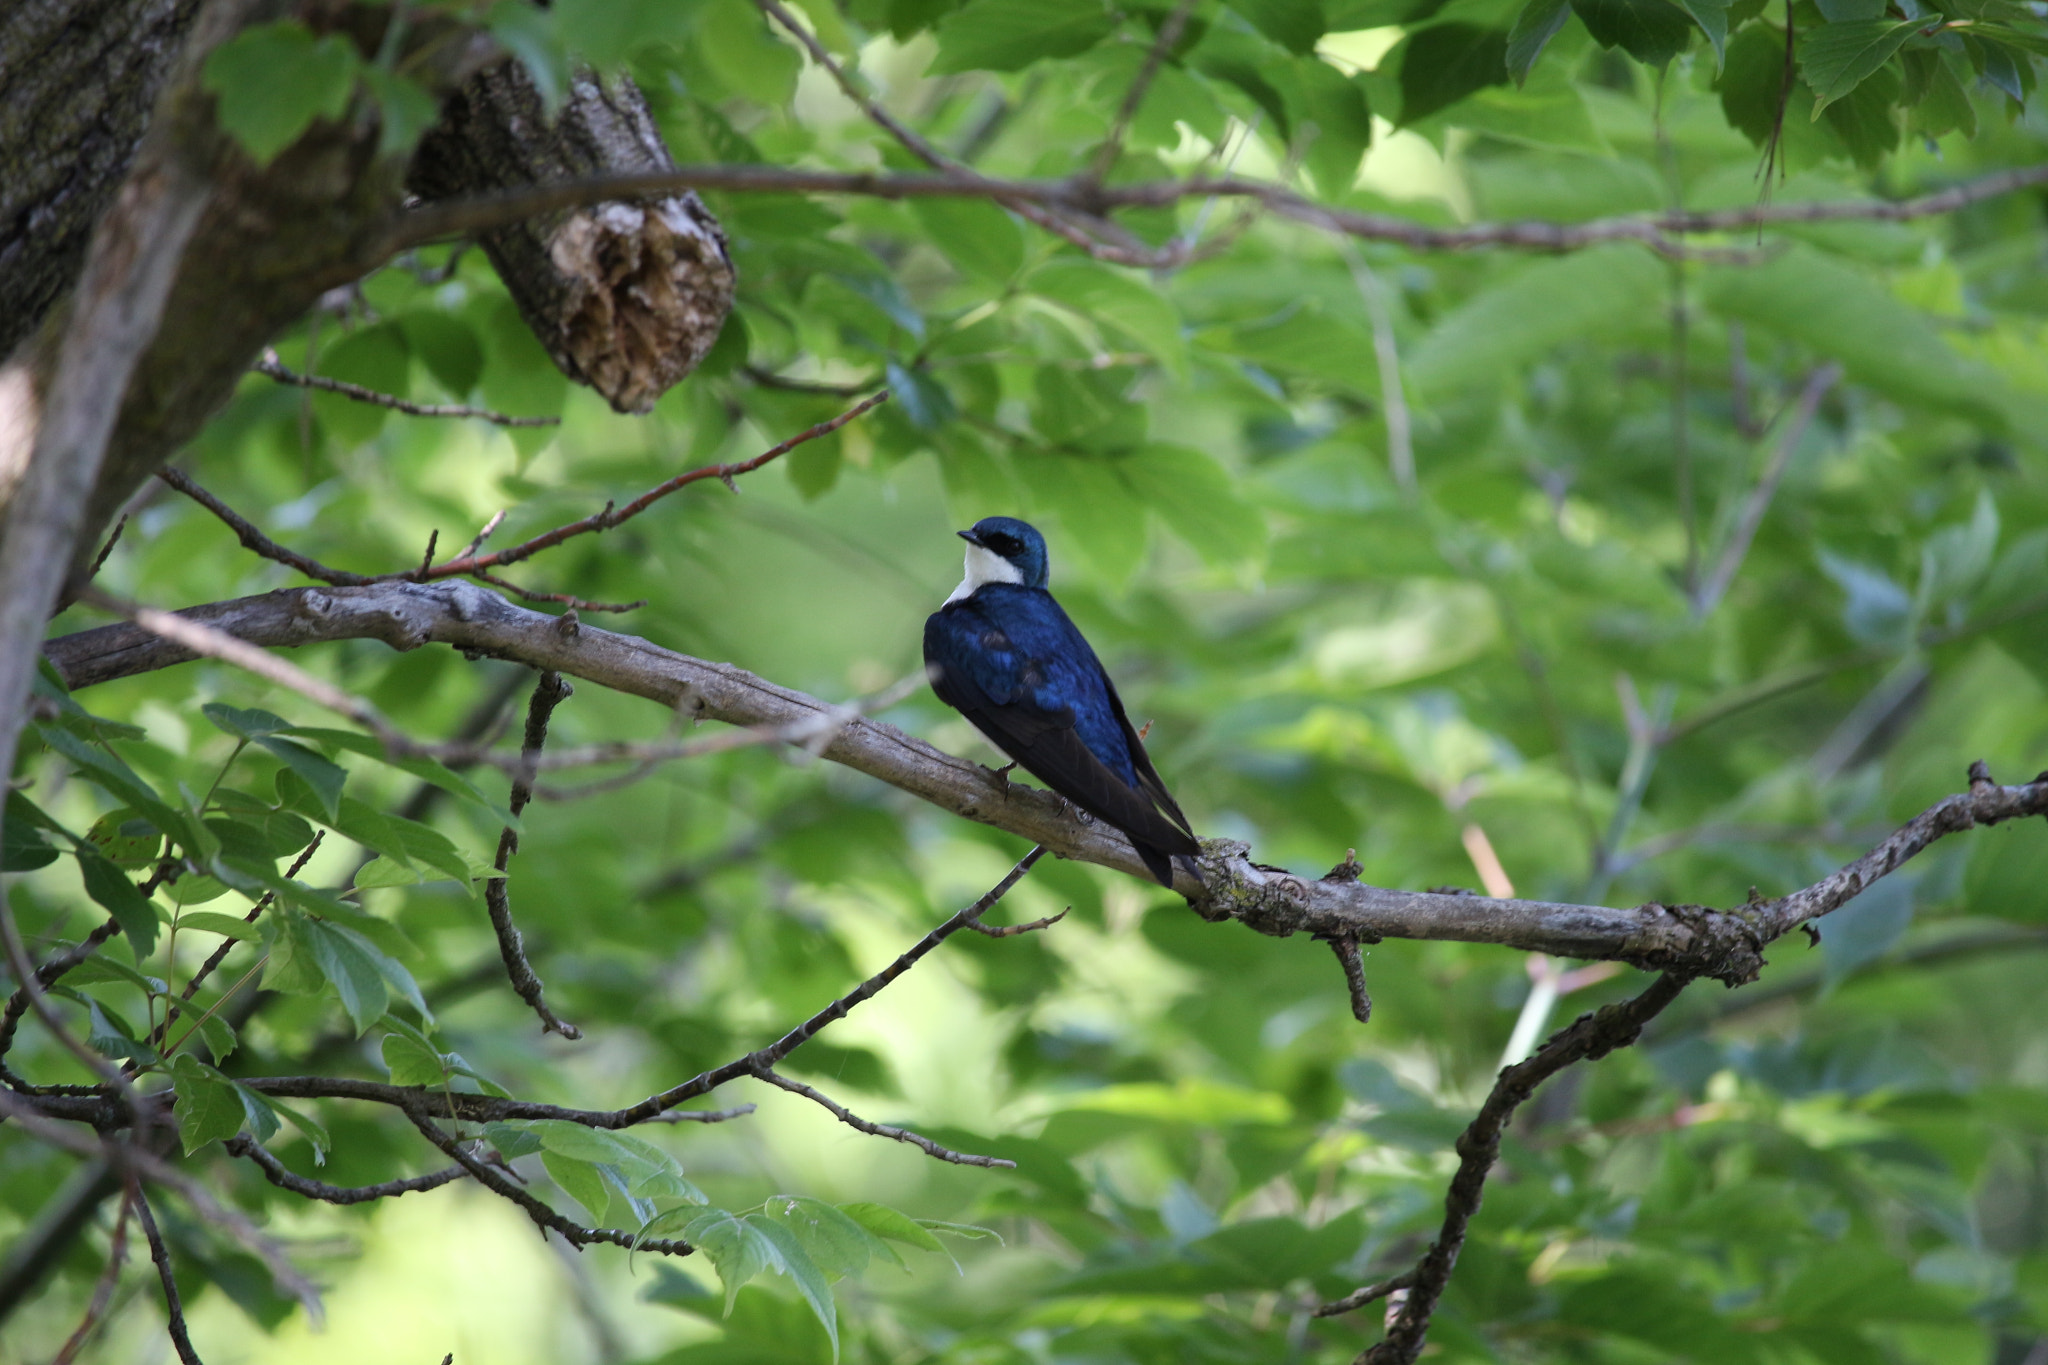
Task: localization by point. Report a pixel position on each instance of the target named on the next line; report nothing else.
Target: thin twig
(282, 1176)
(855, 1121)
(48, 974)
(1169, 34)
(1759, 500)
(1658, 231)
(1359, 1298)
(253, 539)
(219, 955)
(103, 1289)
(545, 1218)
(1012, 930)
(174, 1306)
(99, 561)
(272, 367)
(547, 695)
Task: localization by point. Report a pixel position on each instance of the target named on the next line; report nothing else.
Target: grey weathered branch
(1661, 232)
(1688, 939)
(627, 294)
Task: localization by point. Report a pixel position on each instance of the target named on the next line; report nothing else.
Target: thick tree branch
(1696, 940)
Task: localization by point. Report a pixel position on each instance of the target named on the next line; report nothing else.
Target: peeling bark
(627, 297)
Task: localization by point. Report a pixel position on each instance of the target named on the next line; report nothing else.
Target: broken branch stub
(627, 295)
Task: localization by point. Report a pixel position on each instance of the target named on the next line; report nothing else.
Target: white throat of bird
(984, 566)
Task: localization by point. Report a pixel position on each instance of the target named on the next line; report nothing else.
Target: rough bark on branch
(1691, 940)
(627, 296)
(78, 79)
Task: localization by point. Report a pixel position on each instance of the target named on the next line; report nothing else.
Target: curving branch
(1661, 232)
(1692, 939)
(549, 693)
(280, 1175)
(271, 367)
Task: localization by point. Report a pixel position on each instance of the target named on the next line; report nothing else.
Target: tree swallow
(1002, 653)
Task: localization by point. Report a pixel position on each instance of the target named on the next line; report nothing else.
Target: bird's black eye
(1003, 543)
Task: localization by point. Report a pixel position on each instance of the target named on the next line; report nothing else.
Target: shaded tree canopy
(1562, 480)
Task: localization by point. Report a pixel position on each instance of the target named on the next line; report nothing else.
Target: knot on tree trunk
(646, 290)
(626, 296)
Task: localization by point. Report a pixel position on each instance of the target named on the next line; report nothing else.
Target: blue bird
(1002, 653)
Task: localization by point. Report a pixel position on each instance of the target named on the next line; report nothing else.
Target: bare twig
(1169, 34)
(1591, 1036)
(855, 1121)
(545, 1218)
(99, 561)
(1345, 946)
(1359, 1298)
(471, 563)
(253, 539)
(1759, 500)
(282, 1176)
(103, 1289)
(174, 1306)
(547, 695)
(1012, 930)
(219, 955)
(48, 974)
(271, 366)
(1661, 232)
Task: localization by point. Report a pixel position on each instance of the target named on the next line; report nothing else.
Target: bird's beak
(969, 536)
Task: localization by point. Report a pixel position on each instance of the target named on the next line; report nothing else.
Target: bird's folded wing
(1046, 744)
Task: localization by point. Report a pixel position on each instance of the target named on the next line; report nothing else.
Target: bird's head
(1005, 550)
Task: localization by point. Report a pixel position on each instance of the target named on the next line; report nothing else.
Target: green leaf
(125, 839)
(840, 1245)
(273, 80)
(1836, 58)
(738, 1249)
(104, 770)
(582, 1181)
(227, 926)
(1095, 506)
(1294, 24)
(410, 1063)
(252, 723)
(382, 871)
(109, 886)
(22, 845)
(109, 1034)
(980, 238)
(1651, 31)
(209, 1107)
(526, 33)
(1712, 17)
(352, 966)
(1009, 35)
(429, 770)
(1199, 501)
(1444, 63)
(1533, 310)
(1535, 25)
(315, 1133)
(1333, 118)
(325, 778)
(404, 109)
(1125, 303)
(795, 1262)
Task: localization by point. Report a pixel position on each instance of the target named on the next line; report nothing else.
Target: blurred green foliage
(1846, 1163)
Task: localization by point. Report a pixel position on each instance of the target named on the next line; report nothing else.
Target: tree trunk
(627, 297)
(78, 79)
